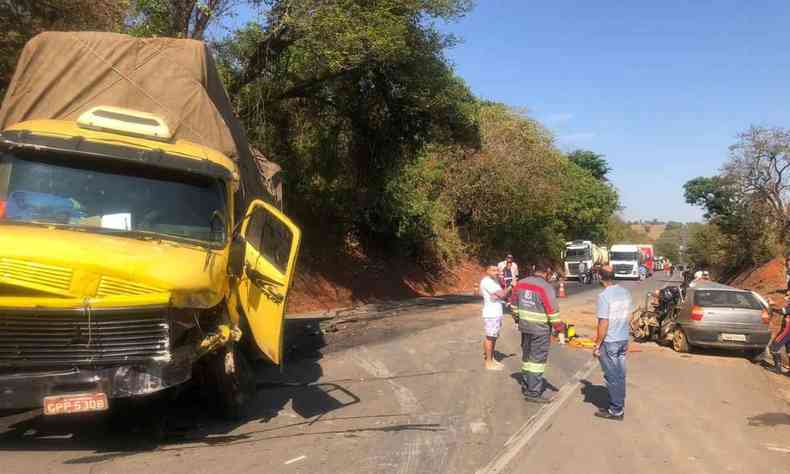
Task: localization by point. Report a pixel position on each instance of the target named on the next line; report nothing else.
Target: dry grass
(653, 231)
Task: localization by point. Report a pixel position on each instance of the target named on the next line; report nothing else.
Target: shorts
(492, 326)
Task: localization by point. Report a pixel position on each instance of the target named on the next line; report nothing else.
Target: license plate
(733, 337)
(75, 403)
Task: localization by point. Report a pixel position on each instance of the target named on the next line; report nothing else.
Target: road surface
(406, 393)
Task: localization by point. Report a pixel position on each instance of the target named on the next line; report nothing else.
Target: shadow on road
(769, 419)
(596, 395)
(185, 420)
(518, 377)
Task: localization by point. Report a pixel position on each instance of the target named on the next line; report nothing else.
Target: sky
(662, 89)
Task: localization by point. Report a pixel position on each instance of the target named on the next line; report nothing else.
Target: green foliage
(716, 195)
(346, 96)
(23, 19)
(620, 232)
(178, 18)
(743, 205)
(670, 241)
(521, 193)
(592, 162)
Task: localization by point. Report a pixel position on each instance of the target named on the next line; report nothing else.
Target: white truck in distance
(583, 252)
(625, 260)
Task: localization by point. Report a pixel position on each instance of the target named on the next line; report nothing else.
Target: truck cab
(583, 253)
(625, 260)
(577, 254)
(127, 266)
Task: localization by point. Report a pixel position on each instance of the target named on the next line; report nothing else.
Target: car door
(271, 246)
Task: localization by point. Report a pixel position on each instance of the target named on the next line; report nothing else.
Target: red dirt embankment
(767, 279)
(344, 281)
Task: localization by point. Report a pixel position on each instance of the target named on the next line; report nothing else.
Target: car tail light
(765, 317)
(2, 209)
(697, 313)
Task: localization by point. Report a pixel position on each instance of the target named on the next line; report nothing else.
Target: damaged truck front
(133, 257)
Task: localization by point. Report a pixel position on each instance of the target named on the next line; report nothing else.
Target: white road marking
(478, 427)
(777, 448)
(535, 424)
(291, 461)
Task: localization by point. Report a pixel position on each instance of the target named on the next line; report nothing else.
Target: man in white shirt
(493, 296)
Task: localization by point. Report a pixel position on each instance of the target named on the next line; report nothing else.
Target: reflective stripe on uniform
(532, 317)
(533, 367)
(554, 317)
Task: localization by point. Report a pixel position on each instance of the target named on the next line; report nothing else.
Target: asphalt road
(407, 393)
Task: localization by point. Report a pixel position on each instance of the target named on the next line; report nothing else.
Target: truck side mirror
(238, 247)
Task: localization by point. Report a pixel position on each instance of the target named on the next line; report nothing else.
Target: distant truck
(583, 252)
(625, 260)
(647, 258)
(138, 248)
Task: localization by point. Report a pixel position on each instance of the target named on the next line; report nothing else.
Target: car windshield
(101, 196)
(726, 299)
(577, 253)
(624, 256)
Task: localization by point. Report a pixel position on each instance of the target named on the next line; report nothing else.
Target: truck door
(271, 245)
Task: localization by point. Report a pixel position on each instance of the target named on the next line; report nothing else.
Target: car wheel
(680, 342)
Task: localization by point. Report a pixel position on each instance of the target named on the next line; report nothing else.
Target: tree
(592, 162)
(23, 19)
(179, 18)
(759, 167)
(346, 94)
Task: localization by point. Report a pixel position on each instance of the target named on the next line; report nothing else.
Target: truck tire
(680, 342)
(230, 383)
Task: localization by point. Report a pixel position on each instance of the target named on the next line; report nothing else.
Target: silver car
(720, 316)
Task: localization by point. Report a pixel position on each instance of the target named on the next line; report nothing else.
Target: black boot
(777, 363)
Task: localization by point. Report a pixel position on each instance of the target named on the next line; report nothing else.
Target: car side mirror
(238, 247)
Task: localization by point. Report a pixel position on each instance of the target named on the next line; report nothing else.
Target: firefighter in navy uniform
(537, 311)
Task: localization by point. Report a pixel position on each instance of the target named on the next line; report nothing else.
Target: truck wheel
(231, 382)
(680, 342)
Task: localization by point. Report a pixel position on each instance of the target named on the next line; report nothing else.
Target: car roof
(712, 285)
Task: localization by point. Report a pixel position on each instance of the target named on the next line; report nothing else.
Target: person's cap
(509, 256)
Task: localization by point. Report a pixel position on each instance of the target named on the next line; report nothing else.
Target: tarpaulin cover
(60, 75)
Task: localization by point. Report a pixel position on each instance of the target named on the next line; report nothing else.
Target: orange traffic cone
(561, 293)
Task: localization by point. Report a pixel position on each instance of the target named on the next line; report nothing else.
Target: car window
(726, 299)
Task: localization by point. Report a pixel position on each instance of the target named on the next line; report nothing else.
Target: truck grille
(109, 286)
(35, 275)
(573, 268)
(68, 339)
(623, 268)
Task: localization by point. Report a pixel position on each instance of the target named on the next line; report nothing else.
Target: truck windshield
(577, 254)
(627, 256)
(101, 196)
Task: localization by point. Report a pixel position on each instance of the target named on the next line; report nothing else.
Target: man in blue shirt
(611, 343)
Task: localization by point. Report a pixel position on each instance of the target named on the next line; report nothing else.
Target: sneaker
(609, 415)
(494, 365)
(538, 399)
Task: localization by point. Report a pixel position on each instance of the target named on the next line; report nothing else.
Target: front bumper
(27, 389)
(121, 352)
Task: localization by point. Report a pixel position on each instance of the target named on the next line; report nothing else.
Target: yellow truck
(135, 253)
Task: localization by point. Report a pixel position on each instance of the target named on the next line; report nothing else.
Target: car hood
(47, 266)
